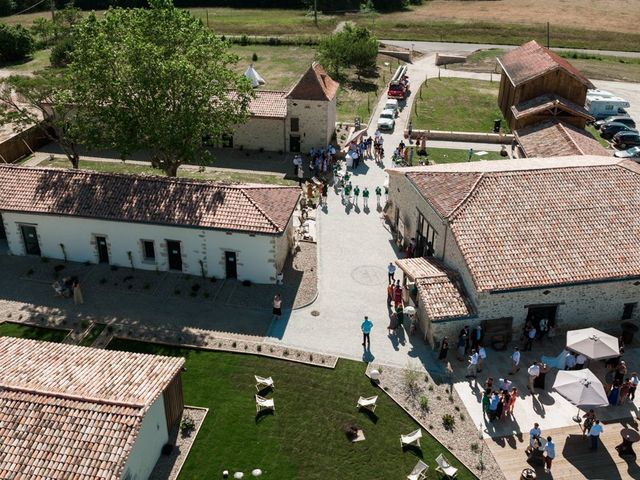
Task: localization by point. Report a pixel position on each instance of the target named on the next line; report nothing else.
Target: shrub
(457, 408)
(254, 57)
(448, 422)
(259, 348)
(430, 388)
(61, 52)
(244, 40)
(424, 403)
(16, 43)
(410, 378)
(474, 447)
(451, 398)
(234, 344)
(187, 425)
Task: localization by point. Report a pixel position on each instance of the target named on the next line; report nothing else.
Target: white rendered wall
(256, 256)
(148, 446)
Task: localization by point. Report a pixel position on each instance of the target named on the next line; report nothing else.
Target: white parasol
(582, 388)
(593, 343)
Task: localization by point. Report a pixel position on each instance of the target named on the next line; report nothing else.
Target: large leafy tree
(16, 43)
(352, 47)
(42, 100)
(154, 79)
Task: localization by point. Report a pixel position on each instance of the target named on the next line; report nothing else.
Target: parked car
(387, 120)
(608, 130)
(392, 104)
(633, 152)
(628, 121)
(625, 140)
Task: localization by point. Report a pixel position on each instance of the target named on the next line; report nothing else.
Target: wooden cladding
(173, 401)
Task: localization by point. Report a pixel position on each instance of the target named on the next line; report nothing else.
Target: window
(148, 250)
(627, 312)
(425, 238)
(295, 124)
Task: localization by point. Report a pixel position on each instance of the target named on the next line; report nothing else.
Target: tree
(351, 47)
(155, 79)
(6, 7)
(42, 100)
(16, 43)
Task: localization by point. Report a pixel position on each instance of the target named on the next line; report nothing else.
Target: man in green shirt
(356, 192)
(365, 197)
(347, 192)
(378, 194)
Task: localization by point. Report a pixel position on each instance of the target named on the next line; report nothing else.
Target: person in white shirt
(550, 448)
(482, 356)
(473, 364)
(534, 434)
(534, 372)
(570, 361)
(580, 361)
(594, 434)
(515, 361)
(505, 384)
(635, 380)
(391, 269)
(531, 335)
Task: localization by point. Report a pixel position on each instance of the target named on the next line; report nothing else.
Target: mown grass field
(306, 436)
(10, 329)
(449, 155)
(456, 104)
(594, 66)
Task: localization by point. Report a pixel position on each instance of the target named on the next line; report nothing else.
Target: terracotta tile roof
(147, 199)
(51, 438)
(269, 104)
(443, 297)
(315, 84)
(421, 267)
(532, 60)
(83, 373)
(71, 412)
(554, 139)
(546, 102)
(530, 223)
(445, 191)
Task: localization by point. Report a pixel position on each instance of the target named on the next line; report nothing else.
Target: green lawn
(456, 104)
(9, 329)
(595, 66)
(130, 168)
(449, 155)
(39, 60)
(305, 438)
(596, 134)
(94, 333)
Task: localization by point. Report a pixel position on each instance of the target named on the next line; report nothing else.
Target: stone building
(515, 240)
(77, 412)
(291, 121)
(151, 223)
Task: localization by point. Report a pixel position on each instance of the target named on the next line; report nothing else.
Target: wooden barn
(538, 85)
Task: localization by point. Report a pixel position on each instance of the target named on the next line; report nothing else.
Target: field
(456, 104)
(603, 25)
(305, 438)
(130, 168)
(449, 155)
(597, 67)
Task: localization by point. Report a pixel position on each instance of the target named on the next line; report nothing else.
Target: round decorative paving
(369, 275)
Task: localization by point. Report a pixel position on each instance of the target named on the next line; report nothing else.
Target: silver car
(387, 120)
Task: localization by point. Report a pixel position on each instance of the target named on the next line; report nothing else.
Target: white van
(602, 104)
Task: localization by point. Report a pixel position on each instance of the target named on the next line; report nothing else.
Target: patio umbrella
(582, 388)
(593, 343)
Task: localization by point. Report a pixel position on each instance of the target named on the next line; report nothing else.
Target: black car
(608, 130)
(625, 140)
(628, 121)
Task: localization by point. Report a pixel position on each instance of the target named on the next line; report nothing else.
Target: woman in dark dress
(500, 406)
(444, 349)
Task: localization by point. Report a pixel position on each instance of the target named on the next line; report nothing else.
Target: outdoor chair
(419, 472)
(264, 382)
(264, 404)
(412, 438)
(368, 403)
(444, 467)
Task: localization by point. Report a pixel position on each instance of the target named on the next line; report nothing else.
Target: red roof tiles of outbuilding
(315, 84)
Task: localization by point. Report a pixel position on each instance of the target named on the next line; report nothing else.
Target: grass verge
(135, 169)
(306, 436)
(596, 134)
(456, 104)
(39, 60)
(449, 155)
(94, 333)
(10, 329)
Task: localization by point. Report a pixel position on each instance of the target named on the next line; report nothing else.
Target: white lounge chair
(262, 383)
(264, 404)
(419, 472)
(444, 467)
(368, 403)
(412, 438)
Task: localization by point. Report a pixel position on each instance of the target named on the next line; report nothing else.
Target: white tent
(253, 76)
(593, 343)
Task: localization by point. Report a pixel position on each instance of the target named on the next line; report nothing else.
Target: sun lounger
(419, 472)
(412, 438)
(262, 383)
(368, 403)
(444, 467)
(264, 404)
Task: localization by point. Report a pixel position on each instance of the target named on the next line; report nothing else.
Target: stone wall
(261, 133)
(21, 144)
(316, 120)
